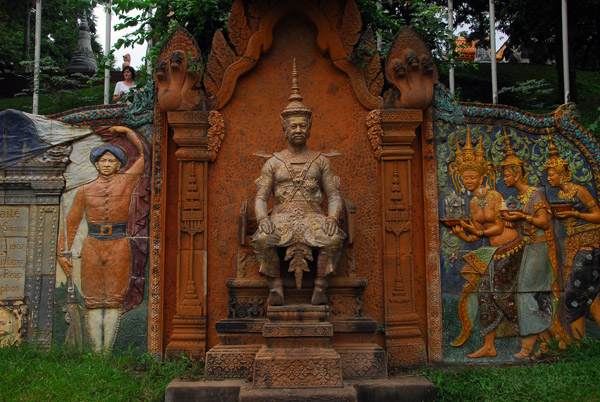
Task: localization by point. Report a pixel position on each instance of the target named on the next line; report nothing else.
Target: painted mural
(518, 233)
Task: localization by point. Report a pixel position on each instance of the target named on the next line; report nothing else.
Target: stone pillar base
(189, 337)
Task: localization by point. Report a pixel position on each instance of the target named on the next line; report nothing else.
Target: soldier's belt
(107, 231)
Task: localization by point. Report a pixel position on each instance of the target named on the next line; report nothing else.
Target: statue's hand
(266, 226)
(512, 215)
(330, 227)
(65, 264)
(460, 232)
(469, 227)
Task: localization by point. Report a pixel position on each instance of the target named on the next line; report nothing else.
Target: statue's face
(472, 179)
(108, 164)
(297, 129)
(554, 178)
(510, 178)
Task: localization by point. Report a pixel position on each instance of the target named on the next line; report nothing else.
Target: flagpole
(107, 44)
(493, 53)
(565, 51)
(451, 28)
(36, 63)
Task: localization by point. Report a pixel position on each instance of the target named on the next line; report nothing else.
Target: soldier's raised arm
(138, 166)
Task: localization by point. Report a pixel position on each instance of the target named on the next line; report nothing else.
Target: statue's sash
(477, 264)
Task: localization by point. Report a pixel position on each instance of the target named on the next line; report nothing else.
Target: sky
(137, 52)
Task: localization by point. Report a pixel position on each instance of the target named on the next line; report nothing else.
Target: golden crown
(512, 160)
(556, 162)
(468, 158)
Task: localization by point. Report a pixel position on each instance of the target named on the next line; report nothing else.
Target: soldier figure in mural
(495, 268)
(298, 177)
(538, 267)
(582, 244)
(105, 254)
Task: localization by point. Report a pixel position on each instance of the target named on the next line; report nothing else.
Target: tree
(203, 17)
(60, 30)
(536, 26)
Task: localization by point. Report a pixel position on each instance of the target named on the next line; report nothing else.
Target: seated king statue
(297, 177)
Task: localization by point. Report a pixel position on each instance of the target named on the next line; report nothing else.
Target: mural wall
(75, 205)
(519, 234)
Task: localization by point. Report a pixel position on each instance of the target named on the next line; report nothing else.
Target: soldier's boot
(112, 319)
(319, 295)
(275, 291)
(93, 322)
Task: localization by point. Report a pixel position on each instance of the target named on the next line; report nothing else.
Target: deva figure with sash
(493, 269)
(537, 274)
(582, 245)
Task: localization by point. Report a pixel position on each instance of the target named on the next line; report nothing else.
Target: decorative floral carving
(221, 365)
(246, 307)
(375, 131)
(215, 134)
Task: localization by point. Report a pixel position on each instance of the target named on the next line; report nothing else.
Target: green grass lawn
(562, 375)
(62, 374)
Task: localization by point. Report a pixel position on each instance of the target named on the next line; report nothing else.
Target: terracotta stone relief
(262, 36)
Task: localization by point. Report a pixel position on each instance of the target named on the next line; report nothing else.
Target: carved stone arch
(328, 41)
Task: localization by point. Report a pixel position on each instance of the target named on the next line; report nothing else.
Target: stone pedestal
(241, 334)
(298, 352)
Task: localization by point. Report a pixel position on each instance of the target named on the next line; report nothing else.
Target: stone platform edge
(393, 389)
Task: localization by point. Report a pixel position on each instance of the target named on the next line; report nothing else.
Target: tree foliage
(60, 30)
(536, 26)
(203, 17)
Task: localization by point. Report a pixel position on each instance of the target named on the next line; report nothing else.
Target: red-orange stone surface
(252, 124)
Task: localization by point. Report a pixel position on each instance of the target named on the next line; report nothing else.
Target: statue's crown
(556, 162)
(295, 107)
(513, 160)
(468, 158)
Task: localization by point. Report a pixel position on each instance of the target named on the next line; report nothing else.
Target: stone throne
(242, 333)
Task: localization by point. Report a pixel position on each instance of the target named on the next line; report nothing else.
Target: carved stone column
(189, 324)
(404, 342)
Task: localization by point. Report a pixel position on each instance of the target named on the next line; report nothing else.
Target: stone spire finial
(511, 158)
(295, 107)
(555, 161)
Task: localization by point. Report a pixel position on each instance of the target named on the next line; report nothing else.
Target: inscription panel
(13, 251)
(13, 257)
(13, 221)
